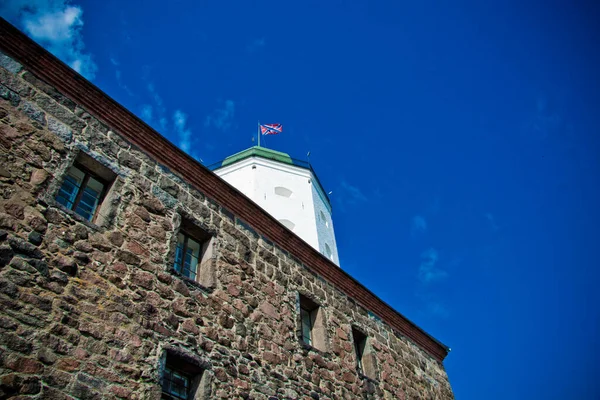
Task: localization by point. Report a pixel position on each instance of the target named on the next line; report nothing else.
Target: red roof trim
(54, 72)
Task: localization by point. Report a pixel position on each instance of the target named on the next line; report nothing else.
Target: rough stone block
(9, 64)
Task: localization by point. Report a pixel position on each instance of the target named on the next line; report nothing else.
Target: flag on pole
(271, 129)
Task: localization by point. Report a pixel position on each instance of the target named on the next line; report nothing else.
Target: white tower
(287, 189)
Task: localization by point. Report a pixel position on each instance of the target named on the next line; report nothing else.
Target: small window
(187, 255)
(365, 357)
(308, 315)
(84, 187)
(176, 384)
(282, 191)
(328, 252)
(360, 341)
(323, 218)
(312, 326)
(194, 254)
(288, 224)
(181, 376)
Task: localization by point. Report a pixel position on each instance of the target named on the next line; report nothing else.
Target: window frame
(90, 169)
(206, 259)
(170, 371)
(311, 315)
(187, 365)
(182, 268)
(366, 361)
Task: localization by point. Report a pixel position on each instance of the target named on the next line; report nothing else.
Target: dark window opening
(366, 362)
(180, 378)
(360, 343)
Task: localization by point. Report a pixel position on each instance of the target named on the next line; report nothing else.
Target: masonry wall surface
(86, 310)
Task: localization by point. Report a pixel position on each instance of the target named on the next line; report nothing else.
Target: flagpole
(258, 132)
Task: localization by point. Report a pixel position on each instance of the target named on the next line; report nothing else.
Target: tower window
(328, 252)
(282, 191)
(288, 224)
(85, 186)
(323, 218)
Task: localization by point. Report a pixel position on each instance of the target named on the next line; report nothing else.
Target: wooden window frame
(204, 275)
(189, 367)
(316, 317)
(90, 168)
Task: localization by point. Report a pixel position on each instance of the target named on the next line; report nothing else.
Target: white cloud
(222, 118)
(56, 25)
(428, 272)
(183, 133)
(418, 225)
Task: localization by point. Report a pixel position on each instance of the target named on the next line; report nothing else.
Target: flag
(271, 129)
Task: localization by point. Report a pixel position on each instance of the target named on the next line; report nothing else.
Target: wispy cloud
(418, 225)
(438, 309)
(256, 45)
(56, 25)
(428, 271)
(222, 118)
(183, 133)
(146, 113)
(158, 101)
(118, 76)
(354, 194)
(154, 114)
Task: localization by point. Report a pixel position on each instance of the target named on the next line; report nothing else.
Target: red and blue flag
(271, 129)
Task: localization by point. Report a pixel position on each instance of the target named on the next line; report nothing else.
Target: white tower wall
(289, 193)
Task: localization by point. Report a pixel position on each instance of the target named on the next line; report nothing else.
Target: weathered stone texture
(86, 310)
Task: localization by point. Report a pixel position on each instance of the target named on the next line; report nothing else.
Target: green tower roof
(269, 154)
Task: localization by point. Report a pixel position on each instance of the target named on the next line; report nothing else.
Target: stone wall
(89, 310)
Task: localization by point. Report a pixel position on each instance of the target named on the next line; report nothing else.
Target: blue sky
(460, 141)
